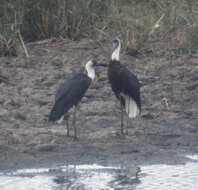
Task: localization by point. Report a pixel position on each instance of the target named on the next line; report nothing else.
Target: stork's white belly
(131, 107)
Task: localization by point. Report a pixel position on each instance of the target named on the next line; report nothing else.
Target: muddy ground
(168, 126)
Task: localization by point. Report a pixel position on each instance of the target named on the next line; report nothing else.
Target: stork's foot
(120, 135)
(76, 138)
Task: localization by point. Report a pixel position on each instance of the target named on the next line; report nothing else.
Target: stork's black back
(123, 81)
(69, 94)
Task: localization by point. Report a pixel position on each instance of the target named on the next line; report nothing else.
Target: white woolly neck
(90, 70)
(116, 53)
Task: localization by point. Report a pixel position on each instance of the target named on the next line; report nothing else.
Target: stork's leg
(67, 124)
(127, 122)
(122, 119)
(74, 123)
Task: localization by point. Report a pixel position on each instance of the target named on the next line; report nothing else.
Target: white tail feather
(60, 120)
(131, 107)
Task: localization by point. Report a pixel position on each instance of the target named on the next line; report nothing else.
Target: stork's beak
(96, 64)
(100, 65)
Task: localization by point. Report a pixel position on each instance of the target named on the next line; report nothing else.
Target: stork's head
(90, 67)
(116, 43)
(116, 49)
(91, 64)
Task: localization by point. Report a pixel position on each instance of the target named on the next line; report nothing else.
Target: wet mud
(168, 125)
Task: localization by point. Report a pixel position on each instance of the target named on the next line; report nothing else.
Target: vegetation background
(143, 25)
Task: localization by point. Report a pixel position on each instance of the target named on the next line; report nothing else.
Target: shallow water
(163, 177)
(96, 177)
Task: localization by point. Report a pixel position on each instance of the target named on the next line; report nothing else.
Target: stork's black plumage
(123, 82)
(125, 86)
(71, 92)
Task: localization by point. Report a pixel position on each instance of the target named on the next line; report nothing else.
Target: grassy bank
(143, 25)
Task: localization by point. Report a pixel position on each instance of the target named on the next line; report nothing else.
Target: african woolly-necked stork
(70, 93)
(125, 86)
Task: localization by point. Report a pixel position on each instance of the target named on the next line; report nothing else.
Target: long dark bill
(101, 65)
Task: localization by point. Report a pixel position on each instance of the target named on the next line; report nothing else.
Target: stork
(125, 86)
(70, 93)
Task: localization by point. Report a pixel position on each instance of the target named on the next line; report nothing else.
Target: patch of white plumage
(90, 70)
(60, 120)
(116, 53)
(131, 107)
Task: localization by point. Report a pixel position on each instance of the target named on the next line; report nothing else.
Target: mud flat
(167, 129)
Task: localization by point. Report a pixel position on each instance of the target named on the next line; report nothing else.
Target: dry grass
(143, 25)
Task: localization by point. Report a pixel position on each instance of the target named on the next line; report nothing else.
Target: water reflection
(96, 177)
(89, 177)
